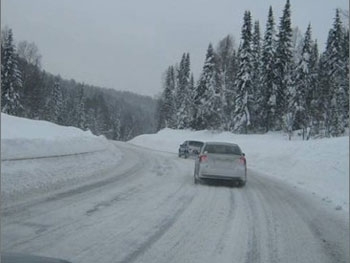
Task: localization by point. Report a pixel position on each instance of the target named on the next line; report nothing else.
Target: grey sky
(127, 45)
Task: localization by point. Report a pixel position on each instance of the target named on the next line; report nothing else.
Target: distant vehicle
(24, 258)
(190, 148)
(221, 161)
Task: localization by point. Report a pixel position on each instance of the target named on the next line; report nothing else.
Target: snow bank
(24, 138)
(39, 156)
(318, 166)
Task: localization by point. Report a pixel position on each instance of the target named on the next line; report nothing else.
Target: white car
(221, 161)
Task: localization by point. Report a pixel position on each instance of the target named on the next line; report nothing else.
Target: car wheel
(196, 180)
(234, 184)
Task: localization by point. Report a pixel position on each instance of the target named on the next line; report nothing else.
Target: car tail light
(203, 158)
(242, 160)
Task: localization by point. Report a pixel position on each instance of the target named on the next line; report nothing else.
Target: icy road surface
(147, 209)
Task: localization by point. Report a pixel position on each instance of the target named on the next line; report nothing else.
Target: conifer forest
(276, 80)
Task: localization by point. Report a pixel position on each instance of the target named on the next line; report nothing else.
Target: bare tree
(29, 52)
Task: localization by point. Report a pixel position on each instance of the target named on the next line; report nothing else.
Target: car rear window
(223, 149)
(194, 143)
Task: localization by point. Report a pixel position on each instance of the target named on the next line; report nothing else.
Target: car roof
(221, 143)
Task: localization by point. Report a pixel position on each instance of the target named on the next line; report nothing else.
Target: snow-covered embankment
(39, 155)
(24, 138)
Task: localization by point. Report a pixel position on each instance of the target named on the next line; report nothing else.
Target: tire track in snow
(253, 253)
(125, 175)
(231, 217)
(188, 238)
(105, 204)
(184, 195)
(79, 190)
(264, 221)
(166, 224)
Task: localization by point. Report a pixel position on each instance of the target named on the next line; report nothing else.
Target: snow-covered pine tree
(243, 85)
(159, 116)
(312, 99)
(323, 97)
(227, 65)
(98, 117)
(80, 110)
(284, 66)
(11, 81)
(300, 102)
(32, 98)
(346, 77)
(257, 92)
(31, 93)
(268, 75)
(189, 92)
(297, 44)
(167, 101)
(230, 91)
(190, 101)
(337, 79)
(116, 126)
(207, 98)
(90, 118)
(182, 94)
(102, 115)
(225, 51)
(56, 103)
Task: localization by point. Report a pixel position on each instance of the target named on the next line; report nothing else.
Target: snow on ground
(39, 156)
(320, 166)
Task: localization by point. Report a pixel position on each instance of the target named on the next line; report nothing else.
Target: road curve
(149, 210)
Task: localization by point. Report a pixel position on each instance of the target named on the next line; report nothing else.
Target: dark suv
(190, 148)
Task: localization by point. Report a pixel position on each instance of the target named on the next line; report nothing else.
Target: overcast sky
(127, 45)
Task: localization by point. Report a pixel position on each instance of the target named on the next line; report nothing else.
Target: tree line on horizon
(275, 82)
(29, 91)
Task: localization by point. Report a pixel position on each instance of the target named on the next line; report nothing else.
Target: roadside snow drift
(320, 166)
(24, 138)
(39, 156)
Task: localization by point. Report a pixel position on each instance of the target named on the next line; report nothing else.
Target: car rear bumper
(233, 174)
(220, 177)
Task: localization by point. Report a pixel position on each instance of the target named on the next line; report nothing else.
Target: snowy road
(147, 209)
